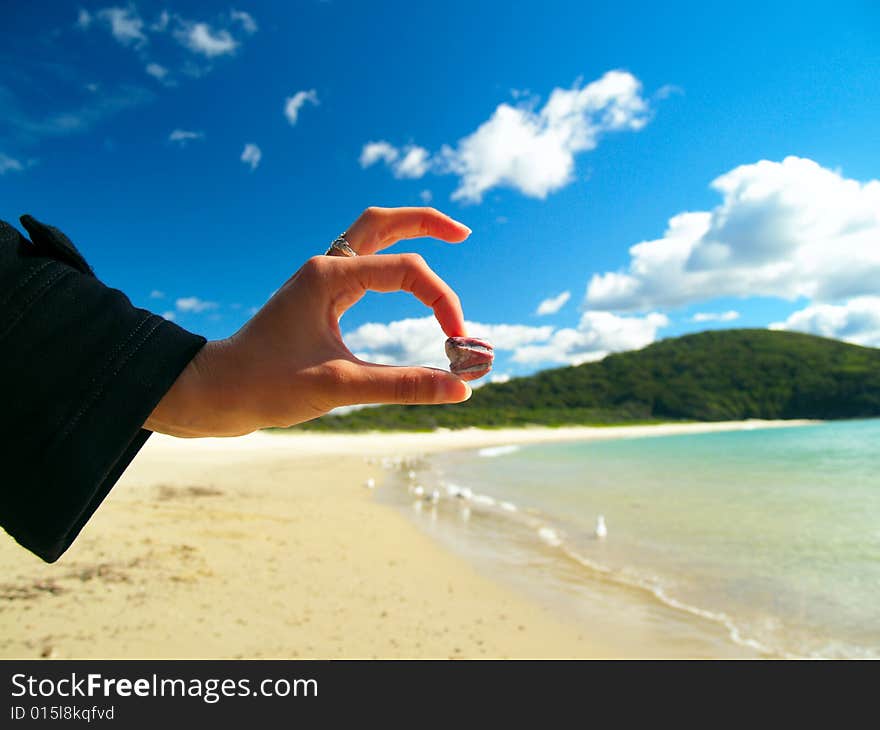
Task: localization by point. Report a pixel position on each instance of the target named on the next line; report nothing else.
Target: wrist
(204, 399)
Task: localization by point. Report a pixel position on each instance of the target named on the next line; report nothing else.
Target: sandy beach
(269, 545)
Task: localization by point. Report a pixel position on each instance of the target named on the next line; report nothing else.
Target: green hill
(710, 376)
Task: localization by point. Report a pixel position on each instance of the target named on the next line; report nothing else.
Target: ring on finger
(340, 247)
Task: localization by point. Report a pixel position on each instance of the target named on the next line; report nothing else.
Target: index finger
(401, 272)
(379, 228)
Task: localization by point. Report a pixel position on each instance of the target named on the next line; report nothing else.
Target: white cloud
(553, 304)
(509, 336)
(527, 150)
(169, 315)
(156, 294)
(204, 39)
(161, 24)
(248, 24)
(126, 25)
(156, 71)
(857, 321)
(426, 196)
(499, 378)
(785, 229)
(26, 128)
(182, 136)
(251, 155)
(83, 19)
(597, 335)
(728, 316)
(403, 342)
(420, 341)
(667, 90)
(201, 38)
(10, 164)
(411, 161)
(294, 103)
(194, 304)
(375, 151)
(413, 164)
(533, 152)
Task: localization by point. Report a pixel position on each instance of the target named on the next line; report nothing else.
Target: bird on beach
(601, 528)
(370, 483)
(549, 535)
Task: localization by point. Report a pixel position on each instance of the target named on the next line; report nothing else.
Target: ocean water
(763, 542)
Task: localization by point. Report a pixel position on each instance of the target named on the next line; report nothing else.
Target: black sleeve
(81, 369)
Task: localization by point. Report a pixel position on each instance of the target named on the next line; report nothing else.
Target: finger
(372, 383)
(398, 272)
(379, 228)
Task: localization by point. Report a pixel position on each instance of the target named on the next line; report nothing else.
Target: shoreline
(387, 443)
(269, 545)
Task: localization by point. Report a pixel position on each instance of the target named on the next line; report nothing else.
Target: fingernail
(450, 390)
(466, 228)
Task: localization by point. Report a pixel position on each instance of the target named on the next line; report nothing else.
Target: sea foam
(491, 451)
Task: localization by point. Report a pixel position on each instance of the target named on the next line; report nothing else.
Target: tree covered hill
(710, 376)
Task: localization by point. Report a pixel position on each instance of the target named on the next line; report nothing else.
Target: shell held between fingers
(469, 357)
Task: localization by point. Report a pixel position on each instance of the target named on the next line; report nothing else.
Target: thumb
(373, 383)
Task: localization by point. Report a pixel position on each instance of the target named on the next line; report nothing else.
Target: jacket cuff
(69, 463)
(82, 468)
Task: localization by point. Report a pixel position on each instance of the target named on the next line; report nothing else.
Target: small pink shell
(469, 358)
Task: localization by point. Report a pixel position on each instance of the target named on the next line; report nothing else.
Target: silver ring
(340, 247)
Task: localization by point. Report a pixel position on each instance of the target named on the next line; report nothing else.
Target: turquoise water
(773, 535)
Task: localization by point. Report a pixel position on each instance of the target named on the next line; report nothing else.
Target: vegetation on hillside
(710, 376)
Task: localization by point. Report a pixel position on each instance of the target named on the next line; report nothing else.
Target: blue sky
(563, 134)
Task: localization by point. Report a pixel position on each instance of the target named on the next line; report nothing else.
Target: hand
(288, 364)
